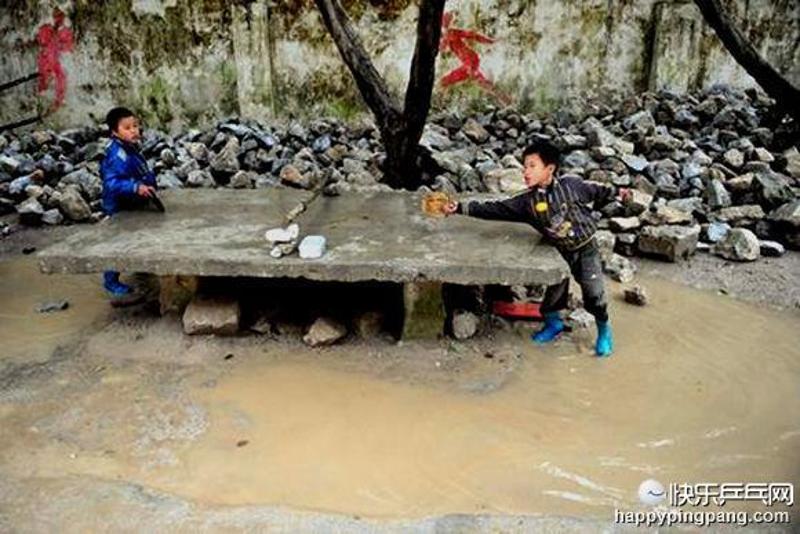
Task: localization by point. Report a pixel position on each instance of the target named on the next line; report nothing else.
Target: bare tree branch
(400, 129)
(370, 83)
(774, 84)
(423, 66)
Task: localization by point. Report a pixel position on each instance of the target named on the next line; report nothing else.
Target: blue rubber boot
(114, 287)
(553, 326)
(605, 343)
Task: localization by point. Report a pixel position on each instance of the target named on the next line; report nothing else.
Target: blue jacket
(123, 170)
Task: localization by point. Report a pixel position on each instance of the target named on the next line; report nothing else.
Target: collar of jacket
(549, 187)
(128, 147)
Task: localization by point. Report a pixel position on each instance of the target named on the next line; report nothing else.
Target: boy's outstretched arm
(514, 209)
(597, 193)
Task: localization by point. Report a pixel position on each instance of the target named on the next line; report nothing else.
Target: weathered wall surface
(189, 61)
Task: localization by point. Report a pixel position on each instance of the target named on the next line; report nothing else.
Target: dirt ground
(114, 421)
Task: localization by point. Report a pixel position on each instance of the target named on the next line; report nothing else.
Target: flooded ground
(121, 409)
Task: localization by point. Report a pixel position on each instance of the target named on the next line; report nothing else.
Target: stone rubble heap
(701, 168)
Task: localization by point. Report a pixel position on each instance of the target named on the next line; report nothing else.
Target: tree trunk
(401, 128)
(774, 84)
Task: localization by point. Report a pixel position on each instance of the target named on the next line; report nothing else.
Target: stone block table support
(423, 310)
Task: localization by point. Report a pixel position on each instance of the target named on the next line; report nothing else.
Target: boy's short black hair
(115, 115)
(547, 151)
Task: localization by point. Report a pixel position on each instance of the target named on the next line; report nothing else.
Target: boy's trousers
(587, 269)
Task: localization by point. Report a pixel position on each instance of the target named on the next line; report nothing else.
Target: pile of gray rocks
(703, 168)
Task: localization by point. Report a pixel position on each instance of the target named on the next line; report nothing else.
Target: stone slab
(371, 236)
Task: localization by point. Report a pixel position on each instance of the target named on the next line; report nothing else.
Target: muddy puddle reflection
(702, 388)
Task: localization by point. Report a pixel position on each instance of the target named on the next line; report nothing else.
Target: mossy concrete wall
(182, 62)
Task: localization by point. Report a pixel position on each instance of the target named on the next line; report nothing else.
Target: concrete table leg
(175, 292)
(424, 313)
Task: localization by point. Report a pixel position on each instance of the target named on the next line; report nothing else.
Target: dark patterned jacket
(560, 212)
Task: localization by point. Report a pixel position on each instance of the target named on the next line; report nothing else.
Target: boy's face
(128, 130)
(537, 174)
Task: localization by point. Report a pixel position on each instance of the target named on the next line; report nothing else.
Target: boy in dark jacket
(557, 207)
(127, 180)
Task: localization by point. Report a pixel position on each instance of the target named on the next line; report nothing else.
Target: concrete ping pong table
(378, 236)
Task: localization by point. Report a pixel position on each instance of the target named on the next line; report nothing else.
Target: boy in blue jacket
(128, 182)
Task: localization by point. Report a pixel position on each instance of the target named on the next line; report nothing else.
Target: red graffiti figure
(455, 40)
(54, 39)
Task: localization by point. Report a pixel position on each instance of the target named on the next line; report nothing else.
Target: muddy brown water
(702, 388)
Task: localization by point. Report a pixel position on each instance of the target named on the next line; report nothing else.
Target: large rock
(324, 331)
(243, 180)
(226, 161)
(771, 249)
(200, 178)
(624, 224)
(452, 160)
(198, 152)
(739, 215)
(352, 165)
(168, 180)
(30, 212)
(792, 157)
(218, 316)
(788, 213)
(89, 183)
(505, 181)
(19, 185)
(784, 222)
(718, 197)
(291, 176)
(665, 214)
(638, 202)
(773, 189)
(435, 138)
(574, 142)
(635, 295)
(762, 154)
(662, 142)
(741, 183)
(641, 121)
(73, 206)
(635, 163)
(669, 242)
(579, 319)
(716, 231)
(475, 132)
(52, 217)
(606, 242)
(734, 158)
(740, 244)
(619, 268)
(626, 244)
(577, 159)
(598, 135)
(9, 164)
(465, 324)
(688, 205)
(509, 161)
